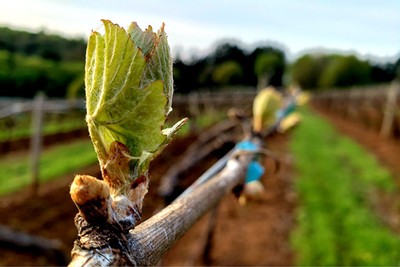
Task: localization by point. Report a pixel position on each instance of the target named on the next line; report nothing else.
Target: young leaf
(128, 96)
(128, 78)
(159, 67)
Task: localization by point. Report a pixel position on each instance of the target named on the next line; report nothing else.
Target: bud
(129, 87)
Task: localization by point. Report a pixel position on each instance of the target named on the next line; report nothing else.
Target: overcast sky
(367, 27)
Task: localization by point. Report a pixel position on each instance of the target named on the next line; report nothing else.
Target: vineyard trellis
(375, 107)
(129, 89)
(192, 105)
(41, 106)
(146, 243)
(228, 178)
(37, 111)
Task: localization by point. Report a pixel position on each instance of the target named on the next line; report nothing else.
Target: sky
(368, 28)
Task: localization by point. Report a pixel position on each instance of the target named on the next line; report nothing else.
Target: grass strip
(54, 162)
(50, 127)
(335, 224)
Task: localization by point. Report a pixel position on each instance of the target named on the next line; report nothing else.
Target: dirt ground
(255, 234)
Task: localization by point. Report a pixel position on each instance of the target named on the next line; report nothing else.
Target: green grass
(56, 161)
(23, 129)
(209, 117)
(336, 225)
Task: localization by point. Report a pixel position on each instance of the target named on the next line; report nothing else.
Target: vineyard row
(376, 108)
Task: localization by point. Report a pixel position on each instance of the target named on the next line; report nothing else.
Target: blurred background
(346, 53)
(214, 43)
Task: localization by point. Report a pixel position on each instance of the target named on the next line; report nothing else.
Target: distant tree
(229, 72)
(187, 75)
(276, 78)
(397, 69)
(227, 52)
(265, 67)
(23, 76)
(305, 72)
(41, 44)
(333, 70)
(223, 53)
(381, 73)
(344, 71)
(198, 73)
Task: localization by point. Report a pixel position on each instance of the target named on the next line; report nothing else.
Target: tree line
(230, 64)
(319, 72)
(32, 62)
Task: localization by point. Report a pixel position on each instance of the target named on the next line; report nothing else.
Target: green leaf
(159, 67)
(128, 80)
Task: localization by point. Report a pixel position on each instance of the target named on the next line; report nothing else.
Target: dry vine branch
(147, 243)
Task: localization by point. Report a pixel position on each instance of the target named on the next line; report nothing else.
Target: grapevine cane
(268, 115)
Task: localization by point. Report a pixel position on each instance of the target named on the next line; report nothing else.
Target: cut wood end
(85, 188)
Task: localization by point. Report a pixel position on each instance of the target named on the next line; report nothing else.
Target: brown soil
(51, 213)
(256, 234)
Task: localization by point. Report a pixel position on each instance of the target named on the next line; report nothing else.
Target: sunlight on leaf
(128, 93)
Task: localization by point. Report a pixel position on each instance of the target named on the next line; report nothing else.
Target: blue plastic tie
(247, 146)
(282, 113)
(254, 171)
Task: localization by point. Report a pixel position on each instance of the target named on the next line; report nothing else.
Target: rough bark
(115, 244)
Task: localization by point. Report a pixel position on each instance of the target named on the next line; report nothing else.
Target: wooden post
(390, 110)
(36, 140)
